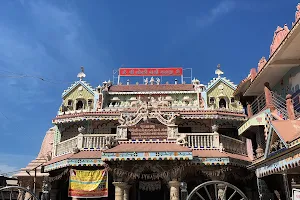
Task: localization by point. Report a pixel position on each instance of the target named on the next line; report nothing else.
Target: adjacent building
(271, 94)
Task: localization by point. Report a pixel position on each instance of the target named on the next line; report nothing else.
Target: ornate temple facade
(271, 94)
(151, 137)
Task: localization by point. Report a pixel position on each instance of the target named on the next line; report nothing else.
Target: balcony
(278, 103)
(216, 141)
(86, 141)
(194, 141)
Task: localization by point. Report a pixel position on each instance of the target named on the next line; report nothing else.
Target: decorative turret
(81, 74)
(218, 71)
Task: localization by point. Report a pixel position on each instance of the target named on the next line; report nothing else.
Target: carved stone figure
(146, 81)
(110, 142)
(277, 145)
(214, 128)
(81, 130)
(152, 81)
(181, 140)
(157, 81)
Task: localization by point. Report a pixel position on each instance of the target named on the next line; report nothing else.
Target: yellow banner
(88, 183)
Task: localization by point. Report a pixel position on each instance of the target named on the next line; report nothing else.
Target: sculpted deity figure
(152, 81)
(157, 81)
(146, 81)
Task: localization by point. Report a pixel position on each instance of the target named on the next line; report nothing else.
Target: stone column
(290, 107)
(286, 185)
(126, 192)
(259, 151)
(174, 190)
(119, 190)
(221, 191)
(249, 110)
(268, 96)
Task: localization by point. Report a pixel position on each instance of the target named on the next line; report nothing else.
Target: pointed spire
(218, 71)
(81, 74)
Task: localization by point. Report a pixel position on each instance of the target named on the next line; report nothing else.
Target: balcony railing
(233, 145)
(194, 141)
(95, 141)
(66, 146)
(203, 140)
(216, 141)
(258, 104)
(280, 104)
(296, 103)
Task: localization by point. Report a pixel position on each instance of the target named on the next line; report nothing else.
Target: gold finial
(218, 66)
(82, 69)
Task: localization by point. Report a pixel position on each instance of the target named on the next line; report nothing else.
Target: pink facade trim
(278, 37)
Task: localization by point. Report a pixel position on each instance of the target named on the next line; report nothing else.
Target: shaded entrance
(152, 190)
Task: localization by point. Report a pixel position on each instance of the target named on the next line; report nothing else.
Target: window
(212, 100)
(79, 105)
(90, 101)
(70, 102)
(232, 100)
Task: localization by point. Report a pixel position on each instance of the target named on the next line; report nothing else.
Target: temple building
(152, 138)
(158, 139)
(271, 94)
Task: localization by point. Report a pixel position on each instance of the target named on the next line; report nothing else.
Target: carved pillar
(286, 185)
(290, 107)
(221, 191)
(126, 192)
(249, 110)
(268, 96)
(249, 149)
(121, 132)
(119, 190)
(174, 190)
(259, 151)
(172, 132)
(216, 137)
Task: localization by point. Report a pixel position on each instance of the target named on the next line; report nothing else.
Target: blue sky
(52, 39)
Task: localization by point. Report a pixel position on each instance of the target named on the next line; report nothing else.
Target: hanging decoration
(149, 185)
(58, 177)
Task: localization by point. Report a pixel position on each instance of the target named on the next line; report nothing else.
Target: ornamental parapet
(184, 113)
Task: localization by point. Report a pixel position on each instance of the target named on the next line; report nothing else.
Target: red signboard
(150, 71)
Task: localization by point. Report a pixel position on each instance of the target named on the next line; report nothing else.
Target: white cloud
(13, 162)
(224, 7)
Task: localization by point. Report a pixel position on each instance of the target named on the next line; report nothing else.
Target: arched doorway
(222, 103)
(212, 190)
